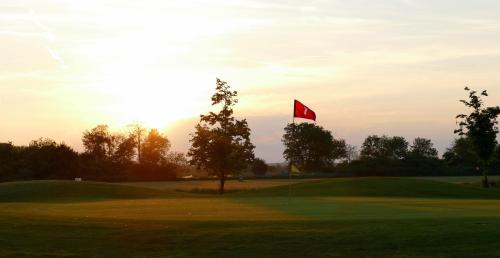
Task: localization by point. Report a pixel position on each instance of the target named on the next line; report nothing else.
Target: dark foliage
(376, 147)
(259, 167)
(480, 127)
(107, 157)
(311, 147)
(42, 159)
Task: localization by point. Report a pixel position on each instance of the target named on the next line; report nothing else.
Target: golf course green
(345, 217)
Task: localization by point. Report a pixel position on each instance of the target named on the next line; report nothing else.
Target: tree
(107, 155)
(123, 149)
(311, 147)
(480, 126)
(423, 148)
(44, 159)
(9, 157)
(351, 153)
(373, 147)
(177, 158)
(137, 132)
(97, 142)
(376, 147)
(155, 148)
(259, 167)
(221, 143)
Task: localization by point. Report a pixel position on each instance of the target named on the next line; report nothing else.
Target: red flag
(301, 111)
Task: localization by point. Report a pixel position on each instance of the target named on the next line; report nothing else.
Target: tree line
(221, 146)
(139, 155)
(474, 152)
(314, 149)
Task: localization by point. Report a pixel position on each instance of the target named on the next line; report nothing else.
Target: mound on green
(70, 191)
(376, 187)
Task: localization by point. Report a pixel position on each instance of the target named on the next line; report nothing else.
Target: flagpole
(290, 166)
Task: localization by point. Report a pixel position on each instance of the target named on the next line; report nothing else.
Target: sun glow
(155, 101)
(149, 72)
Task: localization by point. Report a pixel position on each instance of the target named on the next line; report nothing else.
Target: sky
(393, 67)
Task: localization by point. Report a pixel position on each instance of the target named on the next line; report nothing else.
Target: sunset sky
(366, 67)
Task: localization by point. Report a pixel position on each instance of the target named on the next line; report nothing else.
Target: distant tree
(351, 153)
(9, 156)
(311, 147)
(177, 161)
(221, 143)
(177, 158)
(107, 155)
(423, 148)
(376, 147)
(97, 142)
(259, 167)
(373, 147)
(137, 132)
(155, 148)
(480, 126)
(45, 159)
(123, 149)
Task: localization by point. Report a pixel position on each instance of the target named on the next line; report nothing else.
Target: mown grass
(71, 191)
(377, 187)
(364, 217)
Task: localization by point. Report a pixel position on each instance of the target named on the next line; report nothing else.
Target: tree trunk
(222, 181)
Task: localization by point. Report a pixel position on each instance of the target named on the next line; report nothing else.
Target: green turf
(377, 187)
(364, 217)
(70, 191)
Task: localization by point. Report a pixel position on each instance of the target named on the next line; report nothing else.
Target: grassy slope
(377, 187)
(70, 191)
(368, 217)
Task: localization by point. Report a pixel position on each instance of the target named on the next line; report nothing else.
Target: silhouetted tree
(376, 147)
(259, 167)
(137, 132)
(351, 153)
(155, 148)
(107, 155)
(423, 148)
(311, 147)
(97, 142)
(480, 126)
(123, 149)
(9, 161)
(221, 143)
(177, 158)
(45, 159)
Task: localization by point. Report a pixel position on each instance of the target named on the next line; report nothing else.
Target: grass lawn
(364, 217)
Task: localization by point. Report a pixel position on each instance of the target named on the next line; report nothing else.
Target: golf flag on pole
(301, 111)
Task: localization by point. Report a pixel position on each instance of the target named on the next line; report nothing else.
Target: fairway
(348, 217)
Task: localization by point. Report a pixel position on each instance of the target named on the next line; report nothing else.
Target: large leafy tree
(221, 143)
(311, 147)
(480, 126)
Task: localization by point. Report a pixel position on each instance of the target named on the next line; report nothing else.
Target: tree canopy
(311, 147)
(384, 147)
